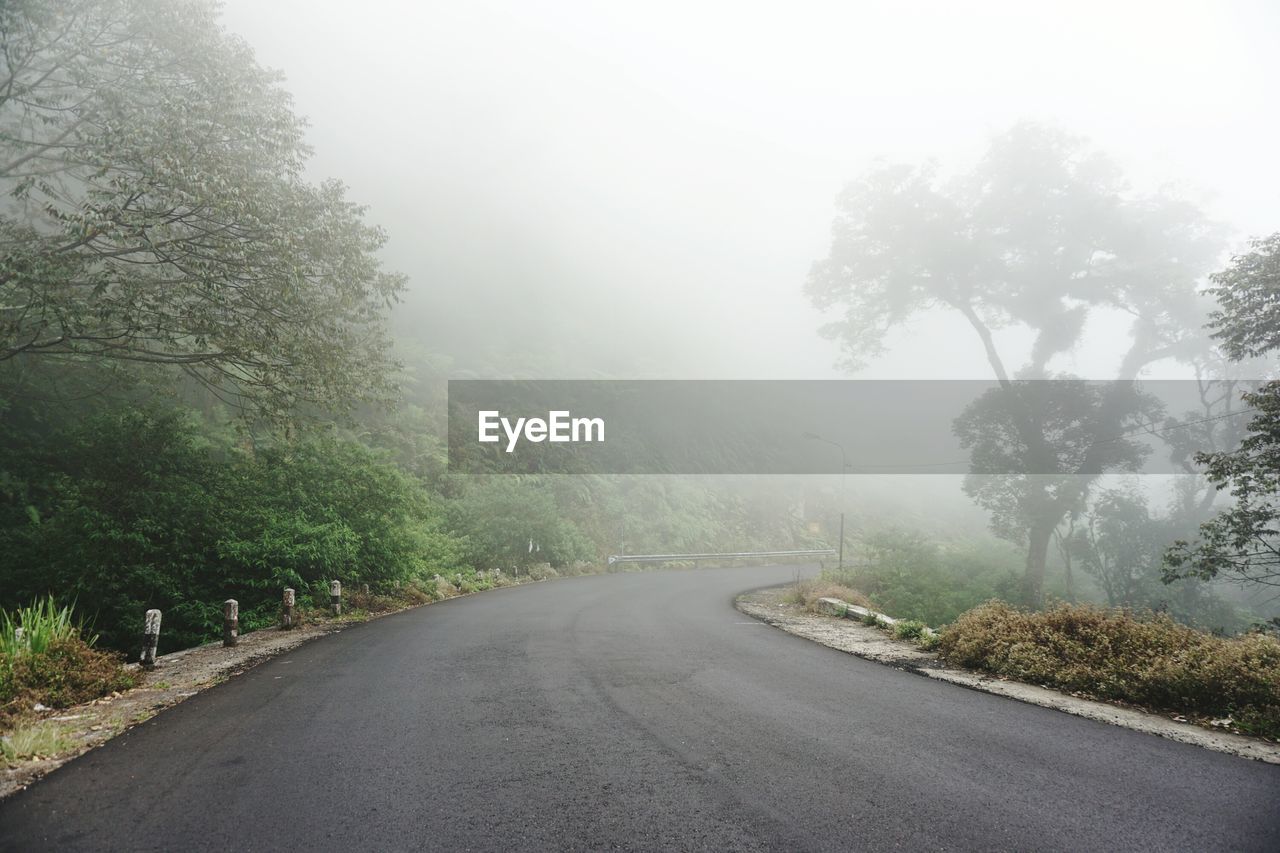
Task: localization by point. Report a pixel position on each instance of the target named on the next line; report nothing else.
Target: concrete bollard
(335, 597)
(230, 622)
(150, 639)
(286, 611)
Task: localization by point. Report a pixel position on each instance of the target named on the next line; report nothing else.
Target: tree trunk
(1037, 557)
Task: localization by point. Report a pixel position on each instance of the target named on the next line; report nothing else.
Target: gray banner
(1042, 427)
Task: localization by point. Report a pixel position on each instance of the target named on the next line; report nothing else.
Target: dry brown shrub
(807, 591)
(1144, 658)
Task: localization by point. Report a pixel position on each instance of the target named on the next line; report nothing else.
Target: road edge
(873, 645)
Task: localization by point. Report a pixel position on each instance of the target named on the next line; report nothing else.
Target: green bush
(1147, 659)
(139, 510)
(514, 525)
(909, 629)
(910, 576)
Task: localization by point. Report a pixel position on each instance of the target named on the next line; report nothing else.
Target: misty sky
(641, 188)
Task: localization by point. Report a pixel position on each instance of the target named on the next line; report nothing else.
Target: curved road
(631, 711)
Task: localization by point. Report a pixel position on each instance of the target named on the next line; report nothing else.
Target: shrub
(137, 509)
(806, 592)
(1148, 659)
(913, 577)
(70, 671)
(542, 572)
(909, 629)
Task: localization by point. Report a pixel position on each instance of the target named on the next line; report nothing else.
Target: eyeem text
(559, 426)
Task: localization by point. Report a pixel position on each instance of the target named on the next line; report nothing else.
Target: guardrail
(669, 558)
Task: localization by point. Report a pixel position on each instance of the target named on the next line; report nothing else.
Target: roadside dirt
(875, 645)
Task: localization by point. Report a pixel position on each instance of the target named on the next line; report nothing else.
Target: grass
(1146, 659)
(34, 629)
(34, 740)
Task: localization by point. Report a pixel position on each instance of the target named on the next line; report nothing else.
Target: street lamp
(844, 466)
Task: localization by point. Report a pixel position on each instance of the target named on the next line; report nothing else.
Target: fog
(638, 191)
(581, 190)
(1021, 196)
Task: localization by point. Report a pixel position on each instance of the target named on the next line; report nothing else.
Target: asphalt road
(636, 711)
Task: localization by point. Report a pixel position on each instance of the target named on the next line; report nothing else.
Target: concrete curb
(873, 645)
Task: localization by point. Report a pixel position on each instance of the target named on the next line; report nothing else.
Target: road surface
(630, 711)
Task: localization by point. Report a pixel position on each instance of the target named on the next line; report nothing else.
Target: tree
(1243, 543)
(511, 523)
(1119, 545)
(1035, 448)
(1248, 291)
(1039, 235)
(155, 211)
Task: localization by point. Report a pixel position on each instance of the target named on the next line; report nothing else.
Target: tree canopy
(155, 211)
(1243, 543)
(1042, 231)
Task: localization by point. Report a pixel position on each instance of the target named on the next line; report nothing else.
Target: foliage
(52, 664)
(34, 629)
(1247, 321)
(1035, 449)
(1147, 659)
(1243, 543)
(510, 524)
(1119, 544)
(158, 212)
(1042, 229)
(138, 510)
(70, 671)
(909, 629)
(913, 577)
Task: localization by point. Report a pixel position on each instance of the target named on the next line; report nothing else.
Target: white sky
(681, 159)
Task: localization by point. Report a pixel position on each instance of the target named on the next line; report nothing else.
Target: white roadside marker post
(150, 639)
(286, 613)
(230, 622)
(335, 597)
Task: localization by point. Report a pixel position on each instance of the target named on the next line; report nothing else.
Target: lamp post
(844, 467)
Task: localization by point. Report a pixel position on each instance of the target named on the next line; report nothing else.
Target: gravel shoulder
(769, 606)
